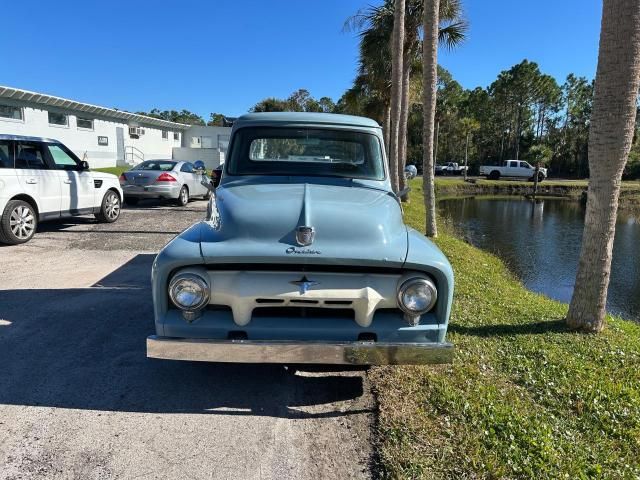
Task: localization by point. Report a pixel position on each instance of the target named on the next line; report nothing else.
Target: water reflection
(540, 241)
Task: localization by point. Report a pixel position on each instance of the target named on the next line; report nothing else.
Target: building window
(11, 112)
(176, 136)
(85, 123)
(58, 119)
(165, 135)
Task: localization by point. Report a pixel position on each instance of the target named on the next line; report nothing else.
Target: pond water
(540, 242)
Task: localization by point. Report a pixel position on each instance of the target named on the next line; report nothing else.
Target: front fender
(182, 251)
(423, 255)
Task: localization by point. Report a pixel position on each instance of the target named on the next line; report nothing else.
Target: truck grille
(254, 293)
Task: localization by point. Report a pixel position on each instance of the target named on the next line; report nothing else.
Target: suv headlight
(417, 296)
(189, 292)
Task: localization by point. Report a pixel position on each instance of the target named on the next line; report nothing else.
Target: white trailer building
(107, 137)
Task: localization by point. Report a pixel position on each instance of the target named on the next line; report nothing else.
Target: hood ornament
(305, 235)
(304, 284)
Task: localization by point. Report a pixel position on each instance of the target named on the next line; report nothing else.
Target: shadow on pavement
(85, 349)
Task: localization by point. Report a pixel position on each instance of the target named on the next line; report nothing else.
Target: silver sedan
(167, 179)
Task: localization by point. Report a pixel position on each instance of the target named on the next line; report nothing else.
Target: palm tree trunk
(610, 137)
(397, 41)
(430, 73)
(404, 119)
(386, 127)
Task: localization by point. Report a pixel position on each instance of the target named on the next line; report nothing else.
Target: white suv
(41, 179)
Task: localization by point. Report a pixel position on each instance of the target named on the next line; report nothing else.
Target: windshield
(306, 151)
(160, 165)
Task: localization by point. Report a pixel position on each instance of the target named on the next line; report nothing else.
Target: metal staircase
(133, 155)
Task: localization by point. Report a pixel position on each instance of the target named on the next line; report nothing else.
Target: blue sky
(226, 55)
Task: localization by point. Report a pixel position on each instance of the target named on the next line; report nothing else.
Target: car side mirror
(84, 165)
(205, 182)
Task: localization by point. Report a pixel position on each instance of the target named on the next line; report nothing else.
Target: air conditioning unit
(136, 131)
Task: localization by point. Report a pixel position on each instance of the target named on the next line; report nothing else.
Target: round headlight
(189, 291)
(417, 296)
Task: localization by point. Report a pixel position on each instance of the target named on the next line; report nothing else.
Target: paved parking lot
(79, 399)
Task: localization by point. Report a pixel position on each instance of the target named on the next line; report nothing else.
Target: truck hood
(355, 225)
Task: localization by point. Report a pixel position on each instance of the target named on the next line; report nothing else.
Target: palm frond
(453, 35)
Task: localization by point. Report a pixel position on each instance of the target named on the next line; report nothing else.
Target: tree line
(523, 114)
(186, 117)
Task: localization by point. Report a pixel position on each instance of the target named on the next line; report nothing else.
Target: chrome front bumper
(260, 351)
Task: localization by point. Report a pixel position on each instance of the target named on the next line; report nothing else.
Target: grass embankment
(524, 398)
(629, 194)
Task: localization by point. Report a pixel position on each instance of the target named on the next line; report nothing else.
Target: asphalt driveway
(79, 399)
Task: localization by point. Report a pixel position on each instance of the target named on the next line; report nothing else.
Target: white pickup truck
(450, 168)
(512, 169)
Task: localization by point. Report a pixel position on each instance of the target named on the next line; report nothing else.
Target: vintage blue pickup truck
(303, 256)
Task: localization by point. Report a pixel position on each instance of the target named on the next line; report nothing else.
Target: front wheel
(110, 208)
(183, 196)
(18, 224)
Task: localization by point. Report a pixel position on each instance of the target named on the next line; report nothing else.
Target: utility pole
(466, 156)
(435, 152)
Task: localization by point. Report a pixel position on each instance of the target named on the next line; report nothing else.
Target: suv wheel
(110, 208)
(18, 224)
(183, 196)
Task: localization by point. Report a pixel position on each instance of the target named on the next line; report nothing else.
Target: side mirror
(205, 182)
(84, 165)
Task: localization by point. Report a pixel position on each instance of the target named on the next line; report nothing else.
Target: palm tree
(429, 88)
(452, 31)
(397, 58)
(375, 25)
(610, 137)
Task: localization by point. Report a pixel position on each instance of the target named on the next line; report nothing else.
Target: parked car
(450, 168)
(303, 256)
(410, 172)
(41, 179)
(167, 179)
(512, 169)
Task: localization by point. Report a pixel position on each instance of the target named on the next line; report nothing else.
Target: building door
(120, 144)
(223, 142)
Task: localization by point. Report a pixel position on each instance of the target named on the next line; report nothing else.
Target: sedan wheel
(183, 196)
(18, 223)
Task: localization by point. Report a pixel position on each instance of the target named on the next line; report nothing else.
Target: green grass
(524, 398)
(114, 170)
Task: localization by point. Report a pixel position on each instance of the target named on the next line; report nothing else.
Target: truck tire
(494, 175)
(18, 223)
